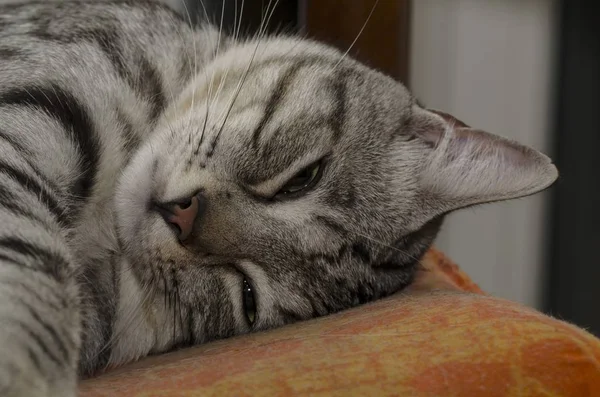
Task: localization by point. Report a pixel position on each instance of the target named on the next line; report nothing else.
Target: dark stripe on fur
(9, 53)
(339, 114)
(147, 81)
(343, 195)
(50, 262)
(33, 337)
(26, 156)
(332, 225)
(132, 141)
(365, 293)
(9, 202)
(34, 359)
(62, 106)
(108, 41)
(191, 336)
(11, 261)
(56, 340)
(361, 252)
(276, 96)
(106, 38)
(280, 135)
(150, 84)
(310, 257)
(99, 296)
(21, 264)
(33, 293)
(18, 146)
(289, 316)
(319, 308)
(409, 249)
(36, 189)
(315, 311)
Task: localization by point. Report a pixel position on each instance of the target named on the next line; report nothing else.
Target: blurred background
(525, 69)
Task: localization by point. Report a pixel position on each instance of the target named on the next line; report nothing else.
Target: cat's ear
(468, 166)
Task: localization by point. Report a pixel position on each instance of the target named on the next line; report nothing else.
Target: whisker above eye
(195, 69)
(237, 35)
(262, 31)
(360, 32)
(210, 85)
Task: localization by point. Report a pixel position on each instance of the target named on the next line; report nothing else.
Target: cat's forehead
(288, 88)
(258, 70)
(290, 104)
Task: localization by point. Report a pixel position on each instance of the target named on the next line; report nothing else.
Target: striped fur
(108, 107)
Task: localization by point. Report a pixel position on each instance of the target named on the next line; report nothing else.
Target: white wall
(489, 63)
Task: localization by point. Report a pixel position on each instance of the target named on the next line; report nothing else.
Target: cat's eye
(248, 302)
(303, 180)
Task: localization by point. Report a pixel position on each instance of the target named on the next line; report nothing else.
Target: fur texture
(109, 108)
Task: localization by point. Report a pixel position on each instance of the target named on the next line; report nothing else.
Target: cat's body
(105, 130)
(112, 78)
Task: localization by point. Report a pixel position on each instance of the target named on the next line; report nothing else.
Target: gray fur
(109, 107)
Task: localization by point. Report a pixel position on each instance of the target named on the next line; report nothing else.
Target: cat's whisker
(236, 30)
(186, 60)
(232, 244)
(210, 85)
(239, 25)
(417, 260)
(207, 18)
(360, 32)
(187, 57)
(178, 309)
(173, 308)
(195, 69)
(235, 11)
(223, 78)
(204, 11)
(258, 36)
(262, 31)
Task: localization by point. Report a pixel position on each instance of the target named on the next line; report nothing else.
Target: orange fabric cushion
(441, 337)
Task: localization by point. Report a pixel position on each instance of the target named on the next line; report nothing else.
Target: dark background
(573, 291)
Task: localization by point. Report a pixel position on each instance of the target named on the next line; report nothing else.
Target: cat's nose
(183, 214)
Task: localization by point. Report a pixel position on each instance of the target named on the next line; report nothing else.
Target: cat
(163, 185)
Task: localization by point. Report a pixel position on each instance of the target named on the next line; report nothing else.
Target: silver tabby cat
(162, 185)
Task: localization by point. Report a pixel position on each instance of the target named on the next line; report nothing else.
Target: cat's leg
(39, 313)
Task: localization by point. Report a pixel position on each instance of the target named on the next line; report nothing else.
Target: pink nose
(184, 214)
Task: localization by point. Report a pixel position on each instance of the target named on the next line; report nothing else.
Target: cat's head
(312, 179)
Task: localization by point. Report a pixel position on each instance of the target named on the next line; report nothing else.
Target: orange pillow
(442, 337)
